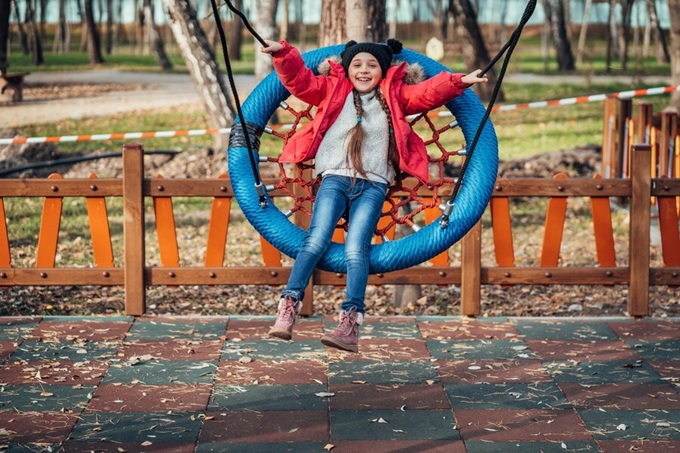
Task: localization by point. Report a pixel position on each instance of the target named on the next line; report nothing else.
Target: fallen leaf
(329, 447)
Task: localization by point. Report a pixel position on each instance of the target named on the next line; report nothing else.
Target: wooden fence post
(640, 223)
(471, 270)
(133, 229)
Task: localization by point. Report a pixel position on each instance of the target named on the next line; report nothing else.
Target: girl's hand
(474, 77)
(272, 47)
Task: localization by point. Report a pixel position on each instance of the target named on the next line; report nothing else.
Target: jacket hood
(414, 72)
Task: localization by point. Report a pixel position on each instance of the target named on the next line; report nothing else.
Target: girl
(360, 140)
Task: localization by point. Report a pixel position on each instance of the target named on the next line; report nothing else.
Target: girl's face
(364, 72)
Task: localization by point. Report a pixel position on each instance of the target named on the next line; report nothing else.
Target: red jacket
(328, 93)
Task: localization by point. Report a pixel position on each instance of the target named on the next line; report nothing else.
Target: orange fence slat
(670, 234)
(217, 230)
(603, 230)
(165, 228)
(383, 222)
(554, 227)
(49, 230)
(100, 230)
(501, 224)
(271, 256)
(5, 257)
(431, 215)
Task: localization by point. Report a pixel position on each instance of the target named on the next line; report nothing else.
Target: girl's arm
(294, 74)
(437, 91)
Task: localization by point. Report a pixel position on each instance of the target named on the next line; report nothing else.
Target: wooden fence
(135, 275)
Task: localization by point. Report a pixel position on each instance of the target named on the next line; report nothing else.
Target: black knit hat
(382, 52)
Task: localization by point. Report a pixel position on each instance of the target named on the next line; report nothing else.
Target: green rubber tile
(614, 371)
(394, 424)
(77, 352)
(142, 398)
(647, 329)
(532, 447)
(270, 426)
(172, 330)
(490, 319)
(594, 351)
(195, 350)
(269, 398)
(632, 425)
(384, 349)
(656, 350)
(468, 330)
(17, 329)
(52, 372)
(479, 349)
(661, 396)
(305, 329)
(159, 428)
(390, 396)
(13, 447)
(381, 372)
(400, 446)
(274, 350)
(36, 427)
(539, 395)
(271, 372)
(161, 372)
(118, 447)
(89, 319)
(54, 398)
(668, 370)
(639, 446)
(269, 447)
(383, 329)
(566, 330)
(491, 370)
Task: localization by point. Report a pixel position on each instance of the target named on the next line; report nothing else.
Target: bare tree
(235, 33)
(23, 39)
(34, 34)
(266, 27)
(332, 25)
(62, 36)
(377, 20)
(475, 53)
(155, 37)
(357, 25)
(612, 36)
(625, 35)
(674, 14)
(662, 55)
(94, 48)
(109, 27)
(201, 62)
(565, 58)
(4, 36)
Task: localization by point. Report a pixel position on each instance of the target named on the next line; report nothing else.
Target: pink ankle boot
(346, 334)
(285, 319)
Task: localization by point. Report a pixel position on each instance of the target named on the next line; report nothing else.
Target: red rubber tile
(258, 330)
(467, 330)
(269, 426)
(493, 371)
(270, 372)
(594, 351)
(198, 350)
(19, 319)
(405, 446)
(384, 349)
(150, 398)
(521, 425)
(670, 370)
(80, 330)
(639, 446)
(53, 372)
(646, 330)
(375, 396)
(182, 319)
(118, 447)
(7, 347)
(36, 427)
(622, 396)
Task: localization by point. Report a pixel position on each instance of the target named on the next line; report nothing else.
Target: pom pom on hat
(382, 52)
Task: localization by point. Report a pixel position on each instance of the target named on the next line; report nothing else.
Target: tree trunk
(155, 37)
(201, 62)
(565, 58)
(674, 14)
(624, 36)
(612, 36)
(139, 27)
(332, 25)
(61, 31)
(23, 39)
(266, 27)
(235, 33)
(662, 55)
(377, 20)
(94, 48)
(109, 27)
(36, 42)
(4, 36)
(83, 26)
(583, 32)
(475, 53)
(285, 23)
(357, 25)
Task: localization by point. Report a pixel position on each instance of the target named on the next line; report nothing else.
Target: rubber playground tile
(176, 329)
(373, 328)
(196, 350)
(145, 398)
(646, 330)
(631, 424)
(269, 426)
(494, 371)
(668, 370)
(7, 347)
(393, 425)
(156, 372)
(384, 349)
(17, 328)
(397, 397)
(582, 350)
(566, 330)
(405, 446)
(137, 427)
(539, 395)
(382, 372)
(613, 371)
(52, 372)
(24, 447)
(269, 372)
(45, 398)
(274, 350)
(501, 425)
(656, 350)
(467, 330)
(53, 330)
(297, 397)
(479, 349)
(304, 329)
(118, 447)
(269, 447)
(581, 446)
(36, 427)
(660, 396)
(639, 446)
(67, 350)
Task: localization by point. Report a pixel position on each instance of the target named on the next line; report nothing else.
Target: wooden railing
(135, 274)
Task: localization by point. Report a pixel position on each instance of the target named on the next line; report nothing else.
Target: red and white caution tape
(502, 108)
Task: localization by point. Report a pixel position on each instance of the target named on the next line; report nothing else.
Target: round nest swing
(427, 241)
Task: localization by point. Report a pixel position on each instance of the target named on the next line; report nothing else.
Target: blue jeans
(363, 201)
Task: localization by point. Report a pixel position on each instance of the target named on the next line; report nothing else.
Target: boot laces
(287, 312)
(346, 325)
